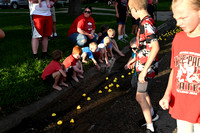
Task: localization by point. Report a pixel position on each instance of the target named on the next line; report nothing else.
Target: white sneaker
(51, 35)
(55, 35)
(125, 35)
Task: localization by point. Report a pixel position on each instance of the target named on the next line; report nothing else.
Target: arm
(164, 102)
(96, 64)
(131, 63)
(63, 72)
(76, 69)
(116, 9)
(152, 55)
(106, 57)
(2, 34)
(85, 33)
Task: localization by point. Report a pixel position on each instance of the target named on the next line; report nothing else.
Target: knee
(139, 98)
(81, 40)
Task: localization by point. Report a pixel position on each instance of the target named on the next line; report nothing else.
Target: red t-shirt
(52, 67)
(185, 61)
(86, 24)
(69, 61)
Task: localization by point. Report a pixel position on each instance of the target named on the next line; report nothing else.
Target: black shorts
(49, 80)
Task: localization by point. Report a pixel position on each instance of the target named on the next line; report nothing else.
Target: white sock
(120, 37)
(152, 111)
(150, 127)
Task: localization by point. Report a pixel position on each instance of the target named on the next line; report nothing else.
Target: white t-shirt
(36, 10)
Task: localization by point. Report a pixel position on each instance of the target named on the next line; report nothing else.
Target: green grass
(20, 82)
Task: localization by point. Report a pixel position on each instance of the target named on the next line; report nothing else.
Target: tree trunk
(74, 7)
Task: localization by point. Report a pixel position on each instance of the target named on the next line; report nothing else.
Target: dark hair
(133, 41)
(57, 55)
(89, 7)
(104, 27)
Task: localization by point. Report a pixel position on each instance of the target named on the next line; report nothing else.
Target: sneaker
(123, 40)
(142, 122)
(148, 131)
(51, 35)
(55, 35)
(125, 35)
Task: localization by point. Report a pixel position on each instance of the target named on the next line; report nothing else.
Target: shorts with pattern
(42, 26)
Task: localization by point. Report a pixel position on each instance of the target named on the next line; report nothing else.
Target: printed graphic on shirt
(89, 26)
(146, 33)
(123, 2)
(188, 76)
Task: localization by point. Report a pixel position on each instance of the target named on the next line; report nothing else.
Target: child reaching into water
(88, 52)
(54, 73)
(73, 62)
(103, 50)
(182, 95)
(131, 63)
(111, 34)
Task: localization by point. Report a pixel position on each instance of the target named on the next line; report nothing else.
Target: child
(103, 33)
(73, 62)
(147, 61)
(182, 95)
(103, 50)
(111, 34)
(47, 1)
(131, 63)
(87, 51)
(54, 73)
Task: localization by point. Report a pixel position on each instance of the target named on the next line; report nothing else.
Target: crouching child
(54, 73)
(72, 63)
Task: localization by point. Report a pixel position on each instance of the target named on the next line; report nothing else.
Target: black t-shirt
(122, 6)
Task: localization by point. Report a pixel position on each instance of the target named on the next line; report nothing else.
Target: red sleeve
(172, 54)
(93, 25)
(81, 24)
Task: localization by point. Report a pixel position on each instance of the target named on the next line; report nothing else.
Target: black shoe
(142, 122)
(35, 56)
(148, 131)
(45, 56)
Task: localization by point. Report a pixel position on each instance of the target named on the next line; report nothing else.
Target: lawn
(20, 82)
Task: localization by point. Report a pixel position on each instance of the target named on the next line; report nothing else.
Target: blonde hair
(93, 44)
(77, 50)
(111, 31)
(194, 4)
(138, 4)
(106, 40)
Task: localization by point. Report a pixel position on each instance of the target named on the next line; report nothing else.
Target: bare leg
(84, 57)
(141, 99)
(44, 43)
(115, 47)
(56, 76)
(119, 30)
(35, 45)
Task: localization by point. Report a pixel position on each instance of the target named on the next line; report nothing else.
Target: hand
(126, 67)
(91, 36)
(142, 76)
(98, 67)
(117, 15)
(108, 65)
(164, 103)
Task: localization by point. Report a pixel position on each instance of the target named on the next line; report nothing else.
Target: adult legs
(120, 35)
(35, 45)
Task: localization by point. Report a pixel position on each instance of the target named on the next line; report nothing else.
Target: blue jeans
(81, 39)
